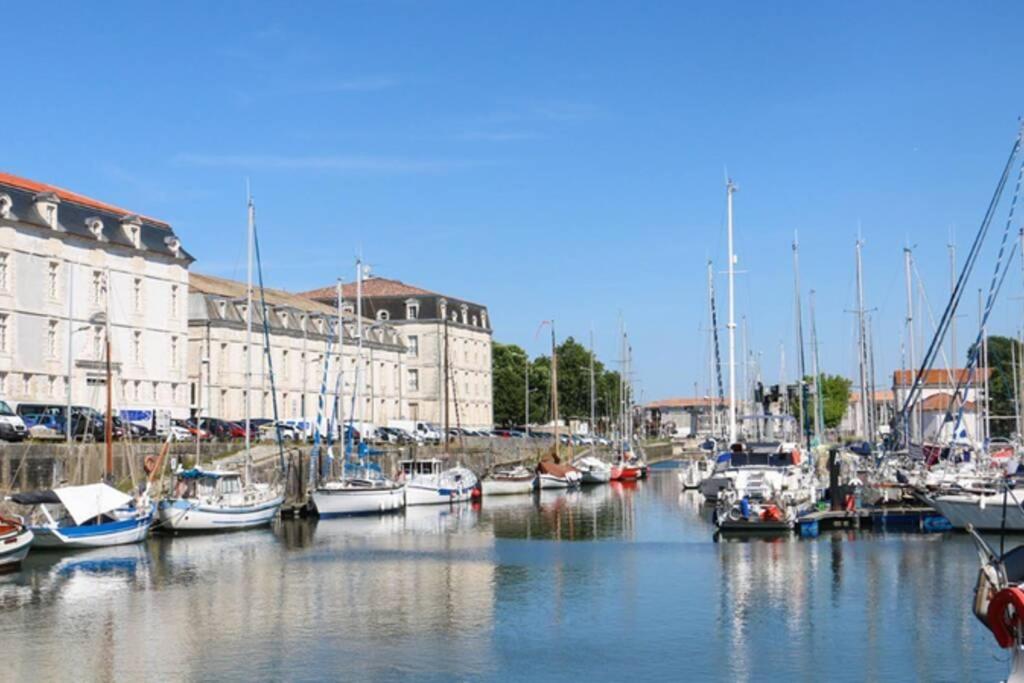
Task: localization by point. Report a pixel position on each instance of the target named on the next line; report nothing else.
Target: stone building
(299, 331)
(68, 264)
(426, 319)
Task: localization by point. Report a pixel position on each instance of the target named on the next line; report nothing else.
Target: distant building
(66, 261)
(425, 320)
(852, 423)
(687, 415)
(299, 330)
(936, 408)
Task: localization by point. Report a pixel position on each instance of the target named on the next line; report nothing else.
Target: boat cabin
(411, 468)
(197, 483)
(764, 455)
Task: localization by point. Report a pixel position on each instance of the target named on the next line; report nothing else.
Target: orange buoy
(1004, 626)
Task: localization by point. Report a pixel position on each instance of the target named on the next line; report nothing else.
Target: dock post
(835, 494)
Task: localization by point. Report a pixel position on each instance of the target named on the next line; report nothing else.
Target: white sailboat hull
(14, 548)
(335, 502)
(982, 512)
(426, 494)
(181, 514)
(506, 487)
(551, 481)
(102, 535)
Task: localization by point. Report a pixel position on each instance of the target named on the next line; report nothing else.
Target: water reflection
(603, 583)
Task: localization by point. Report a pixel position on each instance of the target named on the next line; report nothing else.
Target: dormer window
(475, 322)
(5, 205)
(383, 315)
(222, 306)
(348, 307)
(483, 318)
(412, 309)
(283, 316)
(444, 308)
(132, 226)
(465, 314)
(174, 244)
(95, 226)
(45, 204)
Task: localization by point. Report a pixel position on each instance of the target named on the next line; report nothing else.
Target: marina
(477, 586)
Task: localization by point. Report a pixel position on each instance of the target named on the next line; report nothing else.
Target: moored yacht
(593, 470)
(212, 500)
(89, 516)
(514, 480)
(15, 541)
(769, 487)
(429, 482)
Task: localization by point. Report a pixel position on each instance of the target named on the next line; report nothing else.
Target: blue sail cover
(196, 473)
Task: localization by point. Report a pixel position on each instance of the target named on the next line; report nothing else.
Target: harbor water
(617, 582)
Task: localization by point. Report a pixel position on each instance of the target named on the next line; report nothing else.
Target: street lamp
(94, 320)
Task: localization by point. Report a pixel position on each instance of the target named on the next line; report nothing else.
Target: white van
(12, 427)
(423, 431)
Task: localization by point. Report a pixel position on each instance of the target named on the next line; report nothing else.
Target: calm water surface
(613, 583)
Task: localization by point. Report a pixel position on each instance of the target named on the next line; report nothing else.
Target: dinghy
(517, 480)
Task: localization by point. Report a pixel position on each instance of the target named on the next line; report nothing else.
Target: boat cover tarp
(196, 473)
(36, 498)
(554, 469)
(82, 503)
(92, 500)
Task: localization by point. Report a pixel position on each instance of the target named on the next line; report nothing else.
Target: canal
(613, 583)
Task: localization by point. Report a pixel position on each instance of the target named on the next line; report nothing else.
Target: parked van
(12, 427)
(423, 431)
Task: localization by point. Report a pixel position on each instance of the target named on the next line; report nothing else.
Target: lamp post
(95, 319)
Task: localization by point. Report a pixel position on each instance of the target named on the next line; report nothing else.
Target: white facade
(300, 331)
(66, 262)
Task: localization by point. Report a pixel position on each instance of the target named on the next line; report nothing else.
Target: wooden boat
(15, 541)
(551, 475)
(517, 480)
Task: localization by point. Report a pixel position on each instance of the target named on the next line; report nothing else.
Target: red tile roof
(68, 196)
(940, 403)
(684, 403)
(936, 377)
(881, 396)
(374, 286)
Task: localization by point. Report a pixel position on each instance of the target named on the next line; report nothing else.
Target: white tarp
(92, 500)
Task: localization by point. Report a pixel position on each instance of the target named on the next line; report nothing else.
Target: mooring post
(835, 494)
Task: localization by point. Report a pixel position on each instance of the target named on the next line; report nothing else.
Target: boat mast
(805, 421)
(446, 382)
(862, 350)
(526, 396)
(593, 396)
(819, 417)
(952, 289)
(730, 188)
(250, 227)
(554, 389)
(108, 421)
(359, 345)
(907, 256)
(712, 347)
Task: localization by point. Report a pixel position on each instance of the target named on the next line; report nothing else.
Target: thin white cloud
(344, 163)
(365, 84)
(499, 136)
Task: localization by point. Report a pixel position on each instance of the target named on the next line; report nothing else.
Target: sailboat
(15, 541)
(593, 470)
(92, 515)
(219, 500)
(362, 489)
(626, 466)
(508, 481)
(552, 474)
(429, 481)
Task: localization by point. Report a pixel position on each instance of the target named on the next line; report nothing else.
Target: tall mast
(359, 345)
(712, 347)
(985, 424)
(593, 396)
(907, 256)
(250, 228)
(339, 391)
(952, 321)
(863, 351)
(108, 421)
(446, 388)
(729, 190)
(554, 389)
(804, 418)
(819, 417)
(526, 376)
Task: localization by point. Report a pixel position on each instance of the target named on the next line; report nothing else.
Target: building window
(3, 333)
(174, 301)
(26, 385)
(51, 385)
(412, 310)
(51, 339)
(137, 390)
(137, 294)
(414, 346)
(284, 364)
(137, 347)
(97, 287)
(414, 380)
(97, 342)
(174, 352)
(465, 314)
(4, 258)
(383, 315)
(51, 279)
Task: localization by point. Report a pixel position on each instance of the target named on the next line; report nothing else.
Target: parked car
(180, 433)
(193, 431)
(270, 430)
(12, 427)
(394, 435)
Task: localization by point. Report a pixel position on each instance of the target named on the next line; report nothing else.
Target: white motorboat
(428, 482)
(89, 516)
(555, 476)
(982, 510)
(358, 496)
(769, 488)
(15, 541)
(694, 474)
(517, 480)
(211, 500)
(593, 470)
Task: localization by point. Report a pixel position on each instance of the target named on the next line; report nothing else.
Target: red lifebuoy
(1003, 625)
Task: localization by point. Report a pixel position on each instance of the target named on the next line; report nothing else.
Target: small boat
(211, 500)
(552, 475)
(428, 482)
(89, 516)
(517, 480)
(15, 541)
(624, 470)
(593, 470)
(358, 496)
(691, 476)
(999, 601)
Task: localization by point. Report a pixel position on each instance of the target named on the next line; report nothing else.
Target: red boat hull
(625, 473)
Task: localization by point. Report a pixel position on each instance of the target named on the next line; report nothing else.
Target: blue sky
(551, 160)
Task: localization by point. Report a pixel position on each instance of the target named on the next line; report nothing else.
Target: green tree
(835, 392)
(1001, 353)
(508, 365)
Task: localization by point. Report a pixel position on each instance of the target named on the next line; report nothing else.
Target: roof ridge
(73, 197)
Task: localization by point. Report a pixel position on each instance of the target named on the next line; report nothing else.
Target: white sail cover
(85, 502)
